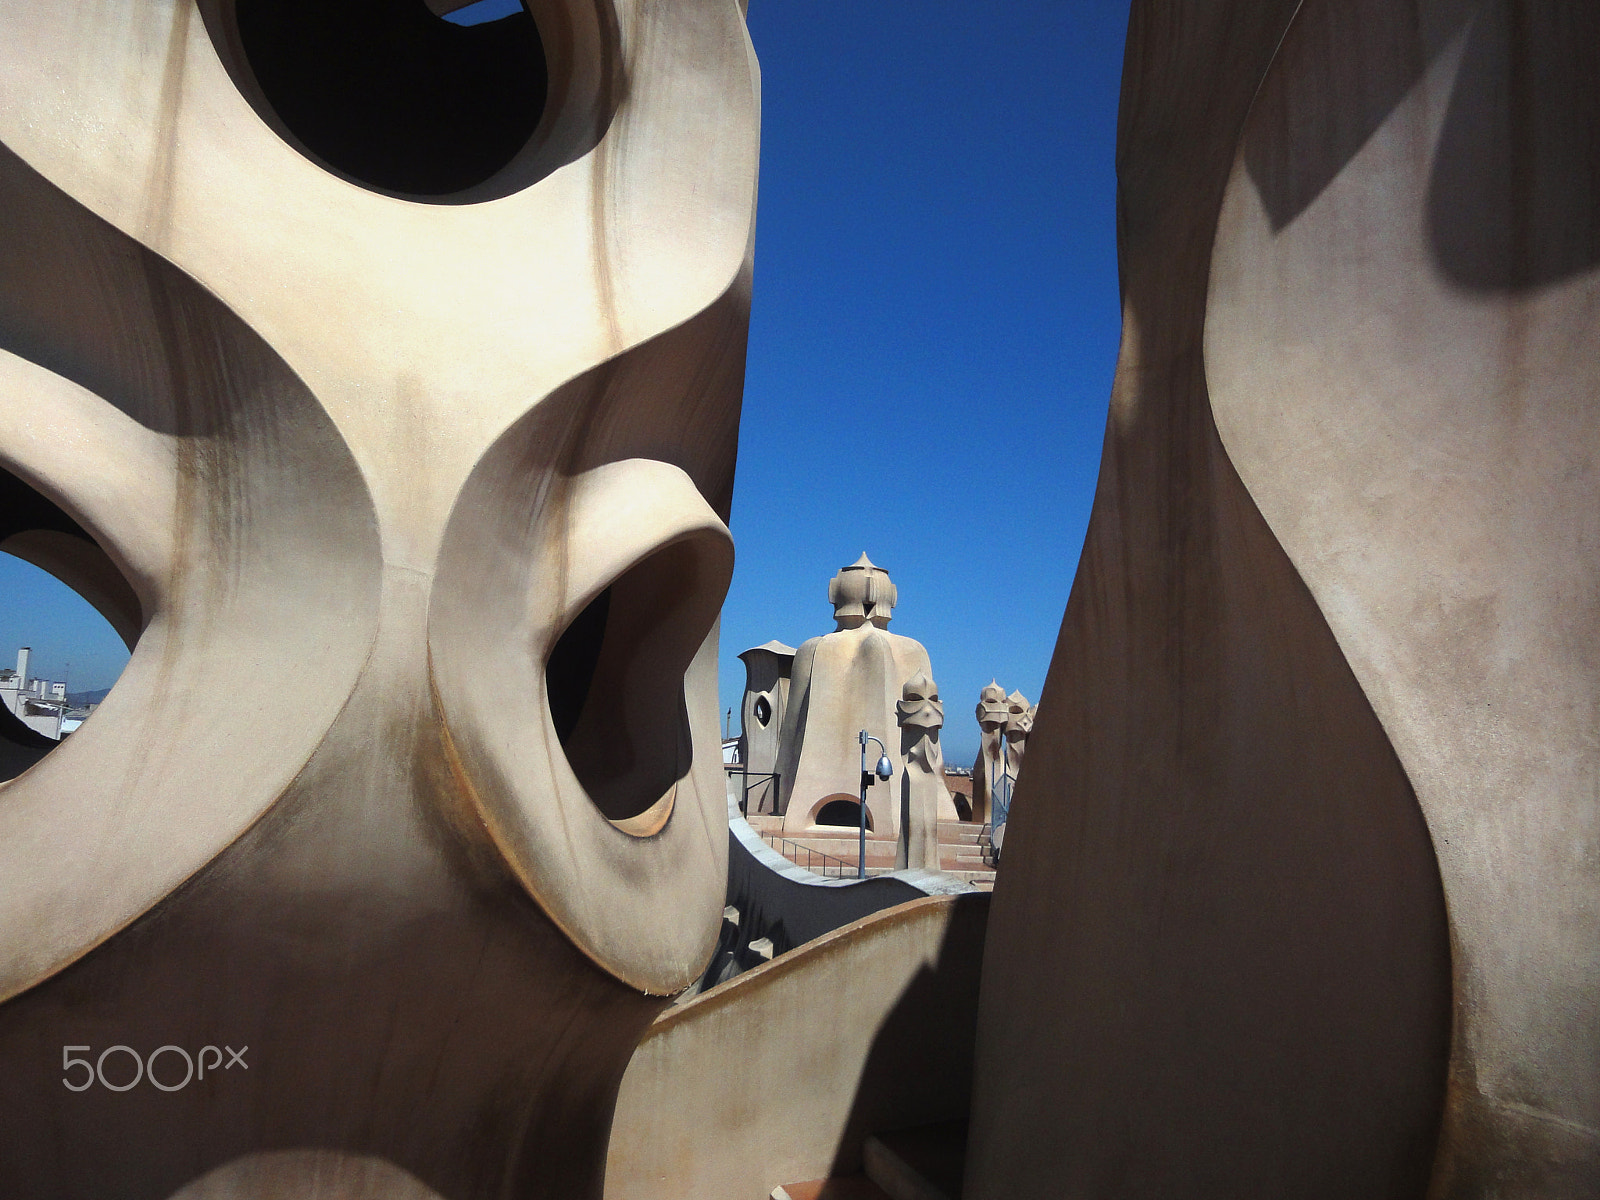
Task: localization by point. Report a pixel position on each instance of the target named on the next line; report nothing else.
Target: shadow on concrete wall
(919, 1069)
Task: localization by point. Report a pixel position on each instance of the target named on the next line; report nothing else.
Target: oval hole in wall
(67, 626)
(394, 96)
(615, 677)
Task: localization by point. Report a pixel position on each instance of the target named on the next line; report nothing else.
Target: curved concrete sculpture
(409, 427)
(1316, 774)
(1019, 723)
(991, 715)
(844, 682)
(1004, 723)
(924, 799)
(1437, 484)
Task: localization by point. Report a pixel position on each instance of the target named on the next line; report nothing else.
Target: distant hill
(84, 699)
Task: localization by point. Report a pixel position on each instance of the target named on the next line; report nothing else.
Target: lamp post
(884, 769)
(1002, 791)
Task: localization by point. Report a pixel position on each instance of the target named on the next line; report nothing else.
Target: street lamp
(884, 769)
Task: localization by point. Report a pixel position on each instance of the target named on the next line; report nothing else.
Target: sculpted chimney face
(919, 706)
(862, 593)
(1019, 717)
(426, 376)
(992, 711)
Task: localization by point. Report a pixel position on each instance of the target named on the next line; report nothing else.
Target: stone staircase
(963, 850)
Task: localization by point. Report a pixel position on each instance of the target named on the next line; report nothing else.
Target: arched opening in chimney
(843, 812)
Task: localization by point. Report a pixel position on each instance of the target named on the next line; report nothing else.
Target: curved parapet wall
(1315, 779)
(409, 452)
(779, 1075)
(1219, 963)
(787, 905)
(1403, 357)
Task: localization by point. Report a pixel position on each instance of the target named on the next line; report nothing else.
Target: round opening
(614, 679)
(66, 628)
(763, 712)
(394, 96)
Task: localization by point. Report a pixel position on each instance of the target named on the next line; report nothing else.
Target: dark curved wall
(1218, 961)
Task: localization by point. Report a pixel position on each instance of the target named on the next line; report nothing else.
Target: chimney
(22, 668)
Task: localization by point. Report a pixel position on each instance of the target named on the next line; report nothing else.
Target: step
(924, 1163)
(849, 1187)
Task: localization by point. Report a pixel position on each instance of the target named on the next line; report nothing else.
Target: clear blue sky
(70, 641)
(931, 347)
(935, 326)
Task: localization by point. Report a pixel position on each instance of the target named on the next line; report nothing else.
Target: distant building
(39, 704)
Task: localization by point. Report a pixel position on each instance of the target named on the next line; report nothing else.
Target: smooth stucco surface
(778, 1075)
(1314, 780)
(1218, 963)
(1432, 310)
(361, 458)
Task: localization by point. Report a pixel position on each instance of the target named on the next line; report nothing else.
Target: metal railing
(1000, 787)
(817, 861)
(770, 778)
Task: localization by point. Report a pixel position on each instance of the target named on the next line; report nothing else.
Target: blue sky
(931, 347)
(71, 642)
(934, 329)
